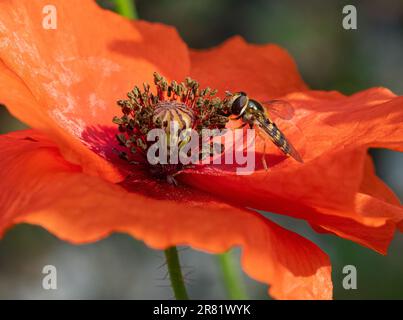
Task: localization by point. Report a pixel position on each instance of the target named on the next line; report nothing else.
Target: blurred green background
(328, 57)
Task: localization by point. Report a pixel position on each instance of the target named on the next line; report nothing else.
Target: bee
(252, 113)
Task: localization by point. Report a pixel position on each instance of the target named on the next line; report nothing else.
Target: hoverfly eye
(238, 104)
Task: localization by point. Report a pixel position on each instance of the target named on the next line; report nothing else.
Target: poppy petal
(23, 105)
(80, 208)
(372, 185)
(264, 70)
(78, 71)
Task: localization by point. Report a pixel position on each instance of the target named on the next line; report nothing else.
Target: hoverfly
(252, 113)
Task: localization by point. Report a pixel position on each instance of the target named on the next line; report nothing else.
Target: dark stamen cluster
(208, 111)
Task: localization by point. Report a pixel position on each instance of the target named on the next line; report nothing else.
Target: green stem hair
(175, 274)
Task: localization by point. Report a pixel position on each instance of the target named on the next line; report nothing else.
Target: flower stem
(126, 8)
(232, 278)
(175, 274)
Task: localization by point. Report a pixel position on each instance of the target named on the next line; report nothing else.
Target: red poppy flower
(63, 175)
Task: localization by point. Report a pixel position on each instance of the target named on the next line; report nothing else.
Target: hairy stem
(175, 274)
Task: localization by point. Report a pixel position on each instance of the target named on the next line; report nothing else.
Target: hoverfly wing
(279, 138)
(279, 108)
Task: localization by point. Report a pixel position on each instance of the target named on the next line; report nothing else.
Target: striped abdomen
(279, 139)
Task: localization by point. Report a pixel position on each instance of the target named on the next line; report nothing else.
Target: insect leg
(171, 180)
(264, 151)
(264, 157)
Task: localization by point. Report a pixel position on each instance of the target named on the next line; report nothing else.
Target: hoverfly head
(238, 103)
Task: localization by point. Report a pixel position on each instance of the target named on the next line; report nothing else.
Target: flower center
(182, 105)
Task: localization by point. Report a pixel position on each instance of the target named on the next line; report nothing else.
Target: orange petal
(368, 118)
(39, 187)
(22, 104)
(372, 185)
(375, 231)
(76, 73)
(264, 70)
